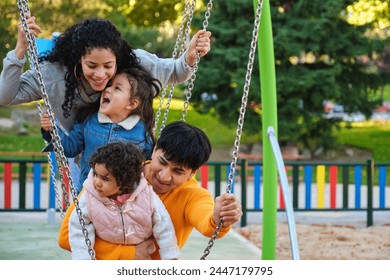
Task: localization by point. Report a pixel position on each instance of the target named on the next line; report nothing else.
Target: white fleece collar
(127, 124)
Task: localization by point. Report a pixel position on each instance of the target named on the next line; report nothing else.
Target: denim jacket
(96, 131)
(18, 87)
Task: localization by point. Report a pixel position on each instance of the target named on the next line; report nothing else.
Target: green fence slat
(22, 185)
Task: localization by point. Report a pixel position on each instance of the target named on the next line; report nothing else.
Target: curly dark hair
(80, 39)
(144, 88)
(124, 161)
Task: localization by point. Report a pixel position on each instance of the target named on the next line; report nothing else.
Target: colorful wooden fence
(315, 186)
(318, 186)
(27, 185)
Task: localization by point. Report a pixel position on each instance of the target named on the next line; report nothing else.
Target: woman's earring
(75, 72)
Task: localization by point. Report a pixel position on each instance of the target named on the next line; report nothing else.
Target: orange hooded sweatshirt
(190, 206)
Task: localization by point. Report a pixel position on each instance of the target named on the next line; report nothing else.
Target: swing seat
(49, 147)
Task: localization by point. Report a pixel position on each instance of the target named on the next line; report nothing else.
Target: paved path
(28, 236)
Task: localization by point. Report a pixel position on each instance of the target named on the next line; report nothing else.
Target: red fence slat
(333, 185)
(7, 184)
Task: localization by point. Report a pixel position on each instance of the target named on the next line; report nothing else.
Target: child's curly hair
(124, 161)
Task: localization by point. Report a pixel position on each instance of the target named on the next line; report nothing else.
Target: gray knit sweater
(17, 87)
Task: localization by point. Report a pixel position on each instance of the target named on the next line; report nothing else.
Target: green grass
(11, 141)
(219, 134)
(386, 93)
(373, 136)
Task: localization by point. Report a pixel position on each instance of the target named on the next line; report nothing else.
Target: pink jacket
(142, 216)
(128, 224)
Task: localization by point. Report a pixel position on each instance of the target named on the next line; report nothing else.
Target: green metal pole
(269, 118)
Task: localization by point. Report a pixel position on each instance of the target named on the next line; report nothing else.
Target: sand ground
(328, 242)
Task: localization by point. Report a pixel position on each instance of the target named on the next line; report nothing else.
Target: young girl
(118, 205)
(125, 114)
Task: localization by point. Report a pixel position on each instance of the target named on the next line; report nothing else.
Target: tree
(318, 57)
(376, 13)
(145, 13)
(222, 71)
(126, 15)
(8, 26)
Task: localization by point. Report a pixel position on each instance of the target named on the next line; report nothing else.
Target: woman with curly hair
(119, 207)
(84, 59)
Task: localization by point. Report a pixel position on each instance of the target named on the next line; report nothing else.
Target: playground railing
(25, 185)
(314, 186)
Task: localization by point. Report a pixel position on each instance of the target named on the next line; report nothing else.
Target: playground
(333, 235)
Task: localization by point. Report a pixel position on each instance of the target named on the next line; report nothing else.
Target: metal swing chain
(240, 120)
(58, 149)
(195, 67)
(186, 35)
(188, 91)
(175, 54)
(33, 56)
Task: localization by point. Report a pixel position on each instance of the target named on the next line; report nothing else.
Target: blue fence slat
(358, 185)
(382, 186)
(52, 193)
(37, 169)
(257, 185)
(308, 170)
